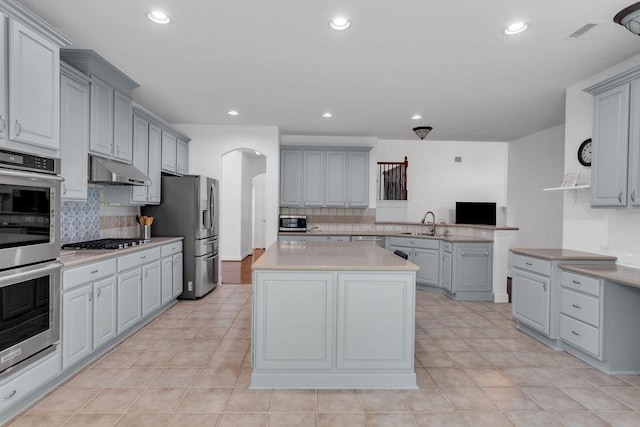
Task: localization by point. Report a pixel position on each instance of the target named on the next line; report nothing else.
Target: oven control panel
(29, 162)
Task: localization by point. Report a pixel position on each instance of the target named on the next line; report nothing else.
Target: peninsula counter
(332, 315)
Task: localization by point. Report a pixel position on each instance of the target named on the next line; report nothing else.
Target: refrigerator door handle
(205, 218)
(212, 211)
(209, 258)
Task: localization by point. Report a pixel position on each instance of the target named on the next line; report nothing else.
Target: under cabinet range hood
(110, 172)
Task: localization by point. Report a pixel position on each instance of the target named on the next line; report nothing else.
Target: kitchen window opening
(392, 180)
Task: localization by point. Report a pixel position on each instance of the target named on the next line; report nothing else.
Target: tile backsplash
(337, 219)
(94, 219)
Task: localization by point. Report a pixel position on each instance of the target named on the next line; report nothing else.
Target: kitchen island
(332, 315)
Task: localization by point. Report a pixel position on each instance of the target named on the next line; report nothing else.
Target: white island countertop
(330, 256)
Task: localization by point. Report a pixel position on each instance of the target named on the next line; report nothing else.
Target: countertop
(614, 273)
(330, 256)
(562, 254)
(452, 239)
(83, 256)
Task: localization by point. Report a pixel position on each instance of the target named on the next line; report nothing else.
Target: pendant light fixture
(629, 17)
(422, 131)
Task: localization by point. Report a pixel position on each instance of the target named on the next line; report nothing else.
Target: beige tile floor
(190, 367)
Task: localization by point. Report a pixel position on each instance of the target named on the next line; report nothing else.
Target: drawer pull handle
(19, 126)
(143, 257)
(544, 286)
(528, 263)
(90, 296)
(575, 333)
(9, 396)
(93, 271)
(577, 306)
(4, 123)
(99, 292)
(576, 282)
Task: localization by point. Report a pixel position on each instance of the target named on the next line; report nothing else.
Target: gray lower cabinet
(129, 299)
(88, 309)
(446, 266)
(598, 321)
(151, 287)
(171, 272)
(425, 253)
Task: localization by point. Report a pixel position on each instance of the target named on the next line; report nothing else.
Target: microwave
(293, 223)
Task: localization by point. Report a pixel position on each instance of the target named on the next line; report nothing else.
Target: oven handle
(11, 277)
(30, 175)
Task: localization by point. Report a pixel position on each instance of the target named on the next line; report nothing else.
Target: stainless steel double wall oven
(29, 257)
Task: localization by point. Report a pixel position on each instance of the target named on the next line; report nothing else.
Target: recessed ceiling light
(416, 117)
(158, 17)
(339, 23)
(232, 113)
(515, 28)
(327, 115)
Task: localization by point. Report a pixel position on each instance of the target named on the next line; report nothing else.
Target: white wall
(210, 142)
(612, 231)
(436, 182)
(535, 162)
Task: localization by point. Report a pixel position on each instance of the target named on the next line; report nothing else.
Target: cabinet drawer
(171, 249)
(580, 306)
(588, 285)
(447, 246)
(580, 335)
(415, 242)
(532, 264)
(87, 273)
(137, 259)
(17, 388)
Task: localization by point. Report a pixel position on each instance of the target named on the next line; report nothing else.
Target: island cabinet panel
(296, 321)
(374, 322)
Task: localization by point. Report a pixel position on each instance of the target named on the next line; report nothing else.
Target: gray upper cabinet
(29, 82)
(74, 133)
(155, 150)
(182, 157)
(169, 152)
(111, 132)
(140, 156)
(122, 127)
(312, 178)
(336, 178)
(290, 177)
(324, 177)
(615, 178)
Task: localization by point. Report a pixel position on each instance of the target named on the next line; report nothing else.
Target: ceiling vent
(583, 30)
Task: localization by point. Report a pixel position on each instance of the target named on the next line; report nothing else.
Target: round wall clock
(584, 153)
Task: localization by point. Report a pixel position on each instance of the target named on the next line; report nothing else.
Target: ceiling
(278, 63)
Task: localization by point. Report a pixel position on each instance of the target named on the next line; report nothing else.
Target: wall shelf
(575, 187)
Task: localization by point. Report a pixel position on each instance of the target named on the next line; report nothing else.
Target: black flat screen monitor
(480, 213)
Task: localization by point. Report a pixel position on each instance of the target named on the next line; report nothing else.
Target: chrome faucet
(432, 224)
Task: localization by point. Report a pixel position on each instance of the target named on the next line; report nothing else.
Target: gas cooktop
(105, 244)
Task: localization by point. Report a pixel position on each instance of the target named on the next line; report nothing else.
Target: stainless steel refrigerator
(189, 208)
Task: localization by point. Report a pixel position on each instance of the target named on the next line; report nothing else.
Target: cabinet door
(34, 88)
(182, 157)
(472, 270)
(313, 178)
(169, 147)
(155, 148)
(4, 96)
(290, 177)
(610, 144)
(358, 179)
(129, 299)
(104, 311)
(307, 342)
(447, 264)
(74, 138)
(177, 275)
(140, 156)
(634, 146)
(530, 298)
(122, 127)
(375, 321)
(336, 179)
(151, 288)
(77, 317)
(101, 136)
(167, 279)
(428, 261)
